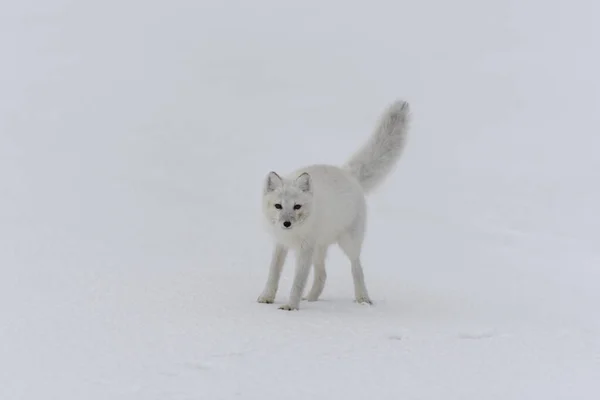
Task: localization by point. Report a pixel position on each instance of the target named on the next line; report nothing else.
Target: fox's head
(287, 203)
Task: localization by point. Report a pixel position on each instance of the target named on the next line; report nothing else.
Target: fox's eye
(297, 207)
(278, 206)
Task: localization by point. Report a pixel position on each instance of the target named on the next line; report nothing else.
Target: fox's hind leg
(320, 275)
(351, 243)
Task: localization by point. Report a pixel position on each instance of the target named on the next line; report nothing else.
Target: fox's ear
(303, 182)
(272, 182)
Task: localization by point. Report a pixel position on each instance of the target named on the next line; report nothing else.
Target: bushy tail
(376, 159)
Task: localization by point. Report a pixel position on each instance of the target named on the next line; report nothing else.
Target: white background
(134, 139)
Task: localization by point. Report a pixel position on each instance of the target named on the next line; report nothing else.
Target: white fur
(332, 209)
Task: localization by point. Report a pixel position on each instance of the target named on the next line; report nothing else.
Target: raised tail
(376, 159)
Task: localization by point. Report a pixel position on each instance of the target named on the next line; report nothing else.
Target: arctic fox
(319, 205)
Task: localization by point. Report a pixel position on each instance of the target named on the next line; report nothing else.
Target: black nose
(287, 224)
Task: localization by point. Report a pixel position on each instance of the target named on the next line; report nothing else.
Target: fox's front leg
(277, 261)
(304, 257)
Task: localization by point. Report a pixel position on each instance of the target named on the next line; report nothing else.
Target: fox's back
(338, 199)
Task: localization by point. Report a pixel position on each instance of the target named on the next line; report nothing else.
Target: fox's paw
(288, 307)
(310, 298)
(364, 300)
(266, 298)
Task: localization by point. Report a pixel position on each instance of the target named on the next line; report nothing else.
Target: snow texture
(134, 141)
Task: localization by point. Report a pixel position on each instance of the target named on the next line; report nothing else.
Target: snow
(134, 138)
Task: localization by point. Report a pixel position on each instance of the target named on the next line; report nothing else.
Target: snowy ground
(134, 138)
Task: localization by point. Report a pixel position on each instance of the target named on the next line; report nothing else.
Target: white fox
(319, 205)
